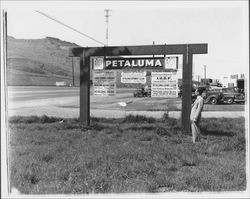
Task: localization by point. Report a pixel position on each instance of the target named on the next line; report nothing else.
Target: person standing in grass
(195, 115)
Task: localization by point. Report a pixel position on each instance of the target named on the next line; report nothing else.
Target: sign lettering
(164, 84)
(133, 77)
(104, 83)
(134, 63)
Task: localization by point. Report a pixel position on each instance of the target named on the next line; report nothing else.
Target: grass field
(134, 154)
(153, 104)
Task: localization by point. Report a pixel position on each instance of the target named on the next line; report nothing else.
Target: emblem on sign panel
(97, 63)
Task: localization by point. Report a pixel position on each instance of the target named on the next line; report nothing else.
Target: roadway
(64, 102)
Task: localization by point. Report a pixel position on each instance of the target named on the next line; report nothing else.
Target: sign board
(242, 76)
(237, 76)
(134, 63)
(185, 50)
(60, 84)
(163, 62)
(104, 83)
(234, 76)
(97, 63)
(164, 84)
(133, 77)
(171, 62)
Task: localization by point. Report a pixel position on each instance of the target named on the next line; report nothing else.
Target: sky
(223, 25)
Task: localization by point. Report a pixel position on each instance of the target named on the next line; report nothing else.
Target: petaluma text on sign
(122, 63)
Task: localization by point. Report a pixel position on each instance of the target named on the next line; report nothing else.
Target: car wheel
(213, 100)
(230, 101)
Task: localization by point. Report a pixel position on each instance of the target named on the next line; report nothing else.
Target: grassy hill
(43, 62)
(40, 62)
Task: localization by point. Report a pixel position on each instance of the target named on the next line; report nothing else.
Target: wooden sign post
(186, 50)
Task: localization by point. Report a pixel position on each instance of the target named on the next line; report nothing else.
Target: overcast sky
(223, 25)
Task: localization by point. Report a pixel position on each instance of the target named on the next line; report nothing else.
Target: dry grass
(135, 154)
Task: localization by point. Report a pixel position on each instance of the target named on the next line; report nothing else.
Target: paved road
(17, 94)
(64, 102)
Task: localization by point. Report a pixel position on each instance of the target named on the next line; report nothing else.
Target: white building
(232, 80)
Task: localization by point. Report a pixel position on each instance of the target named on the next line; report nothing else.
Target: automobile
(213, 97)
(142, 92)
(233, 95)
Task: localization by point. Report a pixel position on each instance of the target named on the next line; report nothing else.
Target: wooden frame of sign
(186, 50)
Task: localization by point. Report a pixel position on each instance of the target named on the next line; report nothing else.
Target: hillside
(43, 62)
(40, 62)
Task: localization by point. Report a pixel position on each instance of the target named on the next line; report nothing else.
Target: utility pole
(107, 24)
(5, 38)
(3, 83)
(73, 78)
(205, 72)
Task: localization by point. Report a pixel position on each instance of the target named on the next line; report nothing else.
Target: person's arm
(198, 110)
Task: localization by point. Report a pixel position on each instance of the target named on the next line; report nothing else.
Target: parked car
(220, 95)
(233, 95)
(213, 97)
(225, 95)
(142, 92)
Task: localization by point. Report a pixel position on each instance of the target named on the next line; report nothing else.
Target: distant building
(235, 80)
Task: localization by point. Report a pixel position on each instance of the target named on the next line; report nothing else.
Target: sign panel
(234, 76)
(133, 77)
(159, 62)
(135, 62)
(104, 83)
(97, 63)
(171, 62)
(164, 84)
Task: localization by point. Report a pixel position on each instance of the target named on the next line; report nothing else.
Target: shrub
(46, 119)
(161, 131)
(139, 119)
(33, 119)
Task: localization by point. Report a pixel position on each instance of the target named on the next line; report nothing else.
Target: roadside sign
(104, 83)
(164, 84)
(152, 61)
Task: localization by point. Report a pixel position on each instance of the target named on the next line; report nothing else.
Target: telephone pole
(3, 83)
(204, 71)
(107, 24)
(73, 76)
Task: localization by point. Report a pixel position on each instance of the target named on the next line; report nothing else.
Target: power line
(68, 27)
(107, 22)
